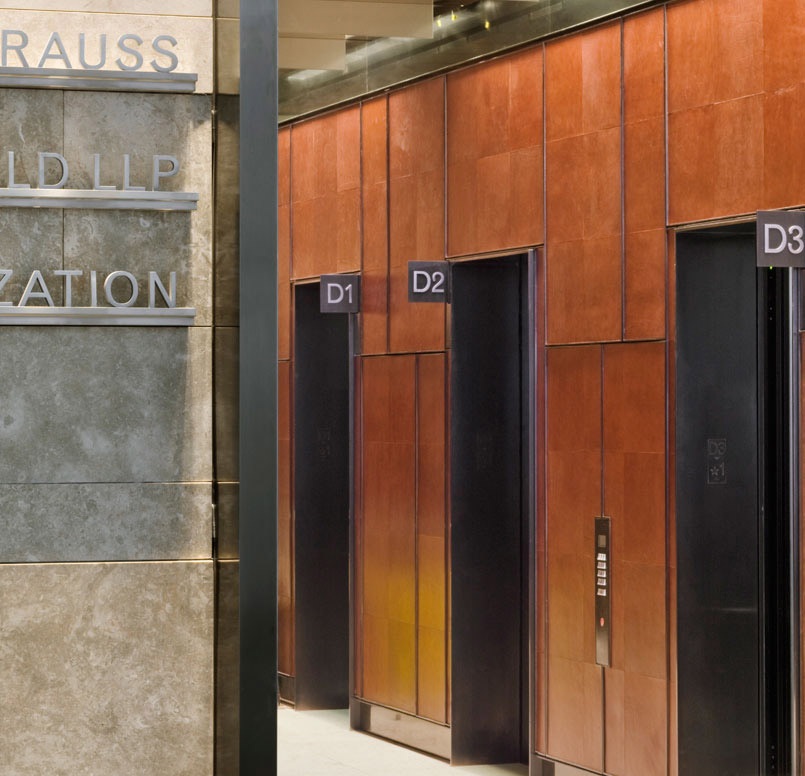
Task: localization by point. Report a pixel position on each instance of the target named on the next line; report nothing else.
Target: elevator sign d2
(428, 281)
(780, 238)
(340, 294)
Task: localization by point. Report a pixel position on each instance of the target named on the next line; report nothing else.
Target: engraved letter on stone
(155, 283)
(138, 57)
(68, 275)
(18, 47)
(174, 60)
(64, 171)
(96, 181)
(11, 183)
(107, 287)
(159, 173)
(82, 52)
(29, 293)
(5, 277)
(127, 175)
(62, 55)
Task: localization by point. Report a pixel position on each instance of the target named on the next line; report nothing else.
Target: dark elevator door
(489, 511)
(733, 508)
(321, 503)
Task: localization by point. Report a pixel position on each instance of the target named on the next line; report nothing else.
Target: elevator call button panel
(603, 591)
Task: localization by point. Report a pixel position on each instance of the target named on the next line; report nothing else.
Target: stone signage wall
(113, 439)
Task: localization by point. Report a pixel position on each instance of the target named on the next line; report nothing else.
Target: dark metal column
(258, 387)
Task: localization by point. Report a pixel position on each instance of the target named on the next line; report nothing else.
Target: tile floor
(320, 743)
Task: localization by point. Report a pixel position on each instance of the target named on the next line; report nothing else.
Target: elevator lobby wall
(594, 148)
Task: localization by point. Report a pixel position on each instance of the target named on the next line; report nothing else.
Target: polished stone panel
(32, 239)
(90, 404)
(227, 386)
(140, 242)
(193, 36)
(228, 55)
(89, 522)
(228, 500)
(112, 125)
(227, 212)
(151, 7)
(31, 121)
(228, 670)
(107, 669)
(229, 8)
(140, 125)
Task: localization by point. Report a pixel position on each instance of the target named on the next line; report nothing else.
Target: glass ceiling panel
(459, 33)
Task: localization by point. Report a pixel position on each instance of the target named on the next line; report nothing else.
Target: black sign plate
(340, 294)
(428, 281)
(780, 238)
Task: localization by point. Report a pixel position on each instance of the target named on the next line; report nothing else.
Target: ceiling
(313, 33)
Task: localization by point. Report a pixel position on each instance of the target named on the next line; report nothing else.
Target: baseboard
(287, 688)
(406, 729)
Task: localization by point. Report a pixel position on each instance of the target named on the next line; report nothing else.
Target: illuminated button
(601, 591)
(602, 574)
(602, 565)
(601, 622)
(602, 582)
(601, 556)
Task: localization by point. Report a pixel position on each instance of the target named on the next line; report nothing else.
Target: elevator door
(321, 503)
(733, 508)
(489, 510)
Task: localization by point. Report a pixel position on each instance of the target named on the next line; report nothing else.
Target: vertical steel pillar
(258, 387)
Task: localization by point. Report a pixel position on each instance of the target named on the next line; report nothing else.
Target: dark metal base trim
(287, 688)
(541, 766)
(418, 733)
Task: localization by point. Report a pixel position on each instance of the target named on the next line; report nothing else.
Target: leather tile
(715, 52)
(644, 625)
(645, 284)
(783, 33)
(374, 278)
(574, 712)
(375, 148)
(348, 148)
(284, 167)
(584, 290)
(646, 723)
(783, 169)
(644, 175)
(284, 281)
(644, 66)
(563, 88)
(716, 160)
(601, 78)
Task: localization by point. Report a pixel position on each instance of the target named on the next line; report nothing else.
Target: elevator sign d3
(340, 294)
(781, 238)
(428, 281)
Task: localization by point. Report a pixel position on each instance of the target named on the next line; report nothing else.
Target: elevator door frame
(791, 385)
(528, 413)
(331, 690)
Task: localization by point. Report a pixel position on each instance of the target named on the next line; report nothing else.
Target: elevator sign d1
(780, 238)
(428, 281)
(340, 294)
